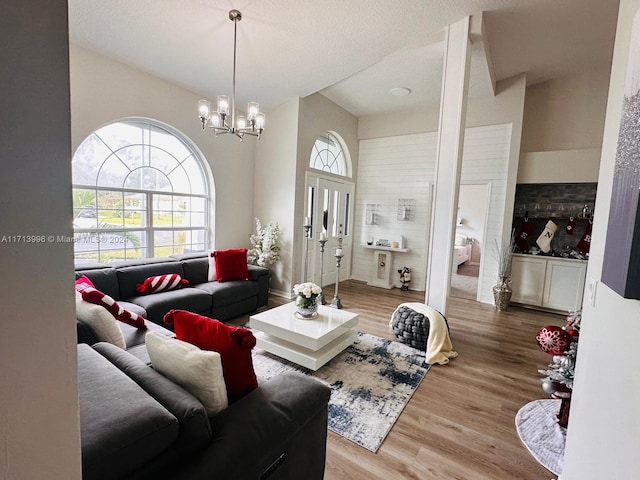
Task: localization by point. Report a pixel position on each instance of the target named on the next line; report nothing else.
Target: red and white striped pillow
(161, 283)
(96, 297)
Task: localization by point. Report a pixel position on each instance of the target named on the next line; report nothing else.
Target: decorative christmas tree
(562, 343)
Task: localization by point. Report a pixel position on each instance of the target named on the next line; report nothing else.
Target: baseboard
(280, 293)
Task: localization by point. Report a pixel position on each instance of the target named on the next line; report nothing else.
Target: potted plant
(264, 251)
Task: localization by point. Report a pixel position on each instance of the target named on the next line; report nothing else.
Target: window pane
(85, 213)
(347, 207)
(196, 176)
(180, 180)
(148, 178)
(135, 209)
(88, 160)
(327, 155)
(112, 173)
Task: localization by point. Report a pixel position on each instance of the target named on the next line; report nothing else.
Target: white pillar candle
(338, 251)
(307, 221)
(323, 235)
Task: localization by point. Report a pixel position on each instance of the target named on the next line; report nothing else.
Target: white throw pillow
(103, 325)
(212, 277)
(197, 371)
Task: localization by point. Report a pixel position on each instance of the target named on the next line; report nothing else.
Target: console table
(538, 428)
(382, 263)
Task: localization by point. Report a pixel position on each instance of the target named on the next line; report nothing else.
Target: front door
(329, 203)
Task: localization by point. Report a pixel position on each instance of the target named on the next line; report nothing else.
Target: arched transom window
(140, 190)
(328, 155)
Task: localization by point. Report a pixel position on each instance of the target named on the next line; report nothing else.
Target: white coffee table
(309, 343)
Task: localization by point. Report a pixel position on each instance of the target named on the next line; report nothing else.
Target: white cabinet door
(564, 285)
(527, 279)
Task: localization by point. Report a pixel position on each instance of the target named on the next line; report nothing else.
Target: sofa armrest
(261, 275)
(279, 429)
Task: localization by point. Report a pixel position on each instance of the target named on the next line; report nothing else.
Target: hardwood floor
(459, 424)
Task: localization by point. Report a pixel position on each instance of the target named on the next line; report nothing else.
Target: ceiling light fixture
(400, 91)
(252, 124)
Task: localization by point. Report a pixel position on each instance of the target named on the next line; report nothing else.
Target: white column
(453, 103)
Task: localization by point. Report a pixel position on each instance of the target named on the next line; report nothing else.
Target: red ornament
(572, 332)
(553, 340)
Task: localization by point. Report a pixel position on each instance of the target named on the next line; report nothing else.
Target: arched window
(328, 155)
(140, 190)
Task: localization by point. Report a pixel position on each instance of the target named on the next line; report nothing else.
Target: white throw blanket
(439, 347)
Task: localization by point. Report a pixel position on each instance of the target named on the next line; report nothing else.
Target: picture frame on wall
(621, 263)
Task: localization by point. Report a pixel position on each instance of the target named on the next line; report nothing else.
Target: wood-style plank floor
(459, 424)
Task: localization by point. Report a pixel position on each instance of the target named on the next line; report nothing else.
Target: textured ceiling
(352, 51)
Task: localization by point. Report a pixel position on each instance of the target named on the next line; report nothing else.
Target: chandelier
(251, 124)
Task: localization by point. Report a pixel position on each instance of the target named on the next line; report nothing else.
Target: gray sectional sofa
(219, 300)
(137, 424)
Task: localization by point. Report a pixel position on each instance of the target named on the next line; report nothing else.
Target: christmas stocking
(585, 242)
(544, 240)
(526, 230)
(571, 224)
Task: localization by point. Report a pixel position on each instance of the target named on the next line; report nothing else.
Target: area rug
(371, 382)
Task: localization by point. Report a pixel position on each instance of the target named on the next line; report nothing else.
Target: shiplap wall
(392, 168)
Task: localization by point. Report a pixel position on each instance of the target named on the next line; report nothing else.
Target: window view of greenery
(139, 191)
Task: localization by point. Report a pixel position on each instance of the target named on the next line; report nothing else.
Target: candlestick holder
(307, 229)
(336, 303)
(322, 241)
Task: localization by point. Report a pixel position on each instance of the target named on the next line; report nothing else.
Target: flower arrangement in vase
(264, 251)
(502, 291)
(307, 299)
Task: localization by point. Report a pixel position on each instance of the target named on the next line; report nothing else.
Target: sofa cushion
(197, 371)
(134, 336)
(103, 278)
(121, 426)
(233, 343)
(195, 429)
(94, 296)
(130, 274)
(227, 293)
(161, 283)
(231, 264)
(195, 266)
(158, 304)
(102, 324)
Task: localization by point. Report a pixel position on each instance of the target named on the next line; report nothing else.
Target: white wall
(274, 187)
(403, 167)
(282, 158)
(604, 423)
(39, 432)
(103, 90)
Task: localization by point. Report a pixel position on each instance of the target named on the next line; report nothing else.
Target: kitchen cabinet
(548, 282)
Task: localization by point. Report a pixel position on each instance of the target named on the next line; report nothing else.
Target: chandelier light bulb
(252, 110)
(216, 121)
(259, 119)
(242, 122)
(223, 105)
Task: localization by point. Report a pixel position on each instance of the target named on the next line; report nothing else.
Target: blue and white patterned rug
(371, 382)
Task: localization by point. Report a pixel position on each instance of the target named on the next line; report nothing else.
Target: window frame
(147, 232)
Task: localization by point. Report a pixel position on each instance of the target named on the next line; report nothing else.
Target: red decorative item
(585, 242)
(571, 225)
(234, 344)
(553, 340)
(572, 332)
(522, 239)
(96, 297)
(161, 283)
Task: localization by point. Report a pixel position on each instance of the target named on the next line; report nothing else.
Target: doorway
(469, 240)
(329, 205)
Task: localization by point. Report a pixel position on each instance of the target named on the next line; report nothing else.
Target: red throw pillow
(231, 264)
(161, 283)
(83, 283)
(96, 297)
(234, 344)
